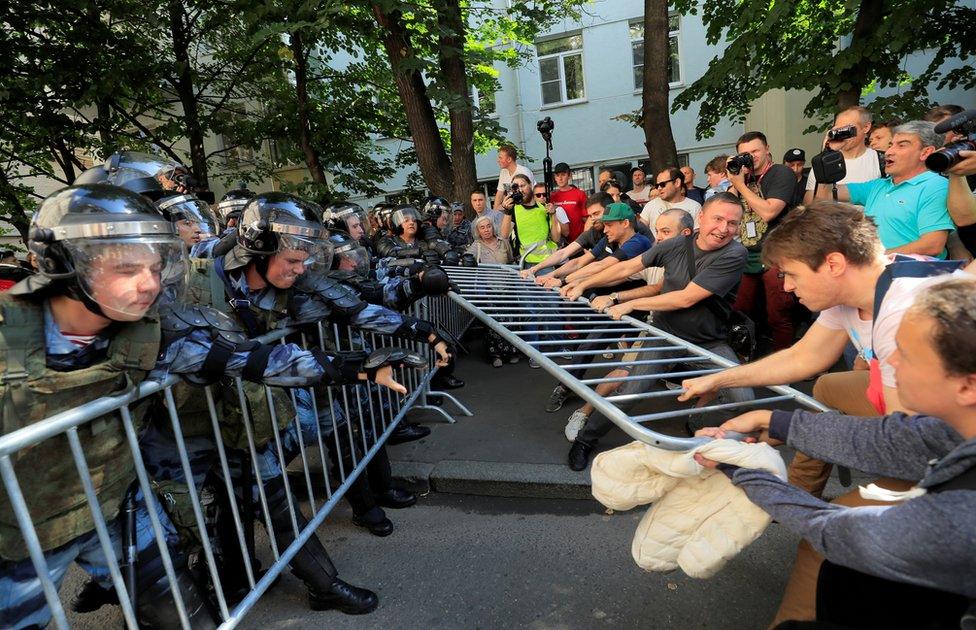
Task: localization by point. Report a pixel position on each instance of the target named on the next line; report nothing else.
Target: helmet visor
(315, 253)
(355, 259)
(357, 224)
(128, 277)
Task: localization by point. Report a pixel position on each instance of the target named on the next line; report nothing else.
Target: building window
(582, 178)
(561, 69)
(637, 46)
(234, 152)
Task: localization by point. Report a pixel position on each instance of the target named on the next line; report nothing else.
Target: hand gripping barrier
(358, 421)
(537, 322)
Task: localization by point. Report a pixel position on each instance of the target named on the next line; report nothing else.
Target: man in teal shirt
(909, 205)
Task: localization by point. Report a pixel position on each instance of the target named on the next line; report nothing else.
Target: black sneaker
(557, 398)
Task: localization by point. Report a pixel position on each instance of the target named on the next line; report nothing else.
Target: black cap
(794, 155)
(562, 167)
(638, 168)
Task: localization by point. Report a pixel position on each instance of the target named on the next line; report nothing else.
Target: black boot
(407, 433)
(396, 498)
(92, 596)
(312, 564)
(579, 455)
(375, 521)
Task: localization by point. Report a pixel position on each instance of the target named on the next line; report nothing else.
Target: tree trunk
(435, 166)
(869, 17)
(451, 56)
(19, 217)
(656, 118)
(186, 92)
(312, 160)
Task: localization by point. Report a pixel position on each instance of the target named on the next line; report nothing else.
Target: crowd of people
(134, 277)
(859, 282)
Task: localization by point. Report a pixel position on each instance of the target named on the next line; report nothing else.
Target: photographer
(766, 190)
(848, 136)
(909, 204)
(533, 221)
(962, 201)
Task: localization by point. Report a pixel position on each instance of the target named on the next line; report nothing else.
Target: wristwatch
(613, 297)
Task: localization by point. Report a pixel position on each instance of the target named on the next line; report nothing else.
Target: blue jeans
(22, 600)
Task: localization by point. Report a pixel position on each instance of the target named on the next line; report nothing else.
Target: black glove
(435, 281)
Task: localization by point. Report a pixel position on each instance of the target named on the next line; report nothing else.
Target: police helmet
(108, 247)
(349, 254)
(433, 208)
(277, 221)
(402, 214)
(146, 174)
(346, 217)
(192, 217)
(230, 205)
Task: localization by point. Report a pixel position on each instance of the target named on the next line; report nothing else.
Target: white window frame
(561, 57)
(673, 34)
(582, 178)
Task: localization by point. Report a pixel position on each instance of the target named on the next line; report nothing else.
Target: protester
(693, 192)
(796, 159)
(909, 564)
(509, 169)
(693, 308)
(640, 190)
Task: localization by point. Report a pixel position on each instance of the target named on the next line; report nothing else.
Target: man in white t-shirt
(834, 274)
(509, 168)
(863, 164)
(670, 184)
(641, 191)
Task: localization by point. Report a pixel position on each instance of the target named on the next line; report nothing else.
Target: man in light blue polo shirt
(909, 205)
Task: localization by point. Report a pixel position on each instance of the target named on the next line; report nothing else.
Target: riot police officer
(84, 327)
(279, 240)
(143, 173)
(195, 223)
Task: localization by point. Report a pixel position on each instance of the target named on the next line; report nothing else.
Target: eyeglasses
(664, 183)
(540, 195)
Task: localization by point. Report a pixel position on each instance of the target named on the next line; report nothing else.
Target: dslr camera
(516, 194)
(963, 123)
(841, 133)
(736, 163)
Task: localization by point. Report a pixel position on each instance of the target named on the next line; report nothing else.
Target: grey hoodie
(929, 540)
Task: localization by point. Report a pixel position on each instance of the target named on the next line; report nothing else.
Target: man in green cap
(620, 242)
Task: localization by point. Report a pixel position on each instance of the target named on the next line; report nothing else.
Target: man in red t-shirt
(571, 199)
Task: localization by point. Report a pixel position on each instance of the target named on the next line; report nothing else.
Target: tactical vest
(31, 392)
(533, 227)
(206, 288)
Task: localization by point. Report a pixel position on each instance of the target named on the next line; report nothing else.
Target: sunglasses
(541, 195)
(664, 183)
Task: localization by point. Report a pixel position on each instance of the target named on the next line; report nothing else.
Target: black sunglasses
(664, 183)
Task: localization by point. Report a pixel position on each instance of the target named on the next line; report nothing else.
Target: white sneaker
(574, 424)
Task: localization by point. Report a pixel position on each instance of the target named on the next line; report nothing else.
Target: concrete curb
(500, 479)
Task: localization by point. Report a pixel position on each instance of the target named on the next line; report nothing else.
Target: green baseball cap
(618, 212)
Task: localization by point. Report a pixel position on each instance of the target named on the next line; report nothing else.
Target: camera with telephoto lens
(963, 123)
(841, 133)
(736, 164)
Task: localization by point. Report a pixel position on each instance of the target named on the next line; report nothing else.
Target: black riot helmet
(274, 222)
(348, 254)
(230, 205)
(108, 247)
(143, 173)
(346, 217)
(433, 208)
(192, 217)
(401, 215)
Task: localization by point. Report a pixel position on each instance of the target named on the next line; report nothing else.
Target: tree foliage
(845, 51)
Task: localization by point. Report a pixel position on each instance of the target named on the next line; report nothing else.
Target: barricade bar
(503, 301)
(348, 425)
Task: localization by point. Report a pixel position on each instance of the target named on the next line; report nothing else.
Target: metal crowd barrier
(533, 319)
(373, 411)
